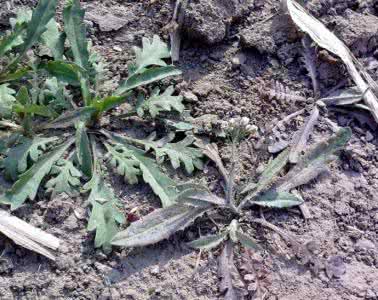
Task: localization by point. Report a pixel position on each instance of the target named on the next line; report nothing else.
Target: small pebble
(117, 48)
(369, 137)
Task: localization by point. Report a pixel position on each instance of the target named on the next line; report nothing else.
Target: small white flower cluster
(239, 127)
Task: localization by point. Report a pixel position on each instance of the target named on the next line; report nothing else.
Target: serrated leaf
(158, 103)
(275, 199)
(69, 118)
(146, 77)
(56, 95)
(124, 163)
(178, 153)
(42, 14)
(314, 161)
(67, 179)
(73, 17)
(83, 149)
(28, 183)
(54, 39)
(157, 226)
(208, 242)
(17, 157)
(105, 213)
(151, 53)
(7, 100)
(161, 184)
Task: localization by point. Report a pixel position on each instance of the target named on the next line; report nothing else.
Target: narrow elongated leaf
(28, 183)
(69, 118)
(73, 17)
(157, 226)
(247, 241)
(67, 179)
(158, 103)
(226, 267)
(198, 195)
(300, 140)
(42, 15)
(110, 102)
(64, 71)
(270, 173)
(11, 40)
(208, 242)
(37, 109)
(83, 149)
(54, 39)
(328, 40)
(105, 215)
(7, 100)
(275, 199)
(12, 76)
(315, 161)
(17, 157)
(146, 77)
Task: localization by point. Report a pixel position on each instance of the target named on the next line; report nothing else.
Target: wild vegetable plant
(52, 108)
(272, 190)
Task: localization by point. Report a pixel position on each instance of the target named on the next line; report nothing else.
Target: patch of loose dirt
(233, 52)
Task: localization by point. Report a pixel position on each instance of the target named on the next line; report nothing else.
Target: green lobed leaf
(146, 77)
(157, 226)
(124, 163)
(17, 157)
(105, 213)
(208, 242)
(131, 158)
(28, 183)
(151, 53)
(56, 95)
(7, 100)
(158, 103)
(73, 17)
(54, 39)
(42, 15)
(178, 153)
(67, 179)
(83, 149)
(275, 199)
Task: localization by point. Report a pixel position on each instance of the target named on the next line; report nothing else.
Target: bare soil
(233, 53)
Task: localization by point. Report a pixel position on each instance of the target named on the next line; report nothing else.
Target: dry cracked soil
(236, 56)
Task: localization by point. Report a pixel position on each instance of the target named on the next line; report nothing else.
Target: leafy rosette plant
(51, 106)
